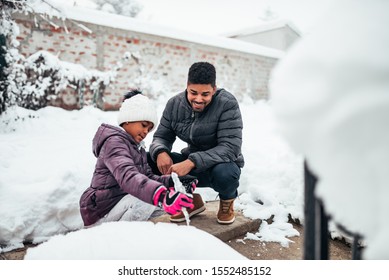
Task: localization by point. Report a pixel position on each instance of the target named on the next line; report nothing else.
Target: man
(208, 119)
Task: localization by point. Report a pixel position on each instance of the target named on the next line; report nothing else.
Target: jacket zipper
(191, 127)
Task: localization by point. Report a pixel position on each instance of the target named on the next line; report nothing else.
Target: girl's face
(138, 130)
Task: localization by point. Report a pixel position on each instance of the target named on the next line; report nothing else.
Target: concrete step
(207, 221)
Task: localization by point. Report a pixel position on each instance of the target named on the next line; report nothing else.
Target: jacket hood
(104, 132)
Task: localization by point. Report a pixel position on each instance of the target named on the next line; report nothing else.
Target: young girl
(123, 186)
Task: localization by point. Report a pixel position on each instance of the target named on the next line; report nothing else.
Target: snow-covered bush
(38, 80)
(46, 77)
(9, 54)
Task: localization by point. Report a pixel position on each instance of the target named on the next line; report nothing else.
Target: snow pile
(134, 241)
(330, 94)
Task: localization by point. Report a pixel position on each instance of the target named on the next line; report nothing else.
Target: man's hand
(164, 162)
(182, 168)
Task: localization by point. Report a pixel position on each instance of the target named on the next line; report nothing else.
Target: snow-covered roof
(127, 23)
(263, 28)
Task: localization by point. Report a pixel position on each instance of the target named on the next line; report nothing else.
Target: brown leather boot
(226, 214)
(198, 208)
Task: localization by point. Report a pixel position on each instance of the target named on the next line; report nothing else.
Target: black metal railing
(316, 242)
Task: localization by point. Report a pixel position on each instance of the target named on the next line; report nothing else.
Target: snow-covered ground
(328, 99)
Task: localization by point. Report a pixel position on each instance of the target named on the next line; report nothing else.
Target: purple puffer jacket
(121, 168)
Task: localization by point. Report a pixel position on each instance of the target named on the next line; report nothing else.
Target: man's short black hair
(203, 73)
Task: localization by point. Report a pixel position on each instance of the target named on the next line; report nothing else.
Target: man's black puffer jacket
(213, 136)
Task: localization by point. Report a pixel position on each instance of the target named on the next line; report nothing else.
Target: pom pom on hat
(138, 108)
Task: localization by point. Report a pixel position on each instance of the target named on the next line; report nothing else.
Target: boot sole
(226, 222)
(197, 211)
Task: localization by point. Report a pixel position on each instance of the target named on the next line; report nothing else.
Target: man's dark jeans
(222, 177)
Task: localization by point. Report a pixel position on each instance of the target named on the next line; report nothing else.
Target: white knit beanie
(138, 108)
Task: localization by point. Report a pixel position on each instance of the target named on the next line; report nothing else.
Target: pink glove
(172, 201)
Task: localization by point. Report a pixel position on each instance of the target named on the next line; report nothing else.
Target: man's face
(199, 96)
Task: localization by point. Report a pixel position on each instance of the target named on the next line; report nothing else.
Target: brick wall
(155, 64)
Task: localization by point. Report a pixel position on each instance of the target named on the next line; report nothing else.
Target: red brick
(56, 30)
